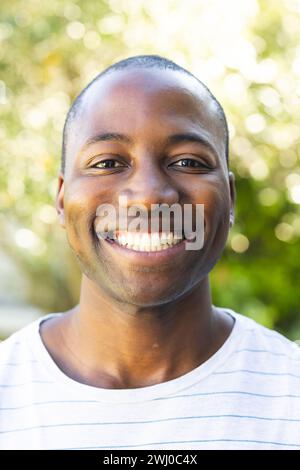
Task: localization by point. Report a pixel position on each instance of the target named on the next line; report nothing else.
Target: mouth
(146, 246)
(148, 242)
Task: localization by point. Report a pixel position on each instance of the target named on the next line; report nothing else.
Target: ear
(60, 200)
(232, 197)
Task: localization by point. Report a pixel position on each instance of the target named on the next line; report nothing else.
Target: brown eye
(189, 163)
(109, 163)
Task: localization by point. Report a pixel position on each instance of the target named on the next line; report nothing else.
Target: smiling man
(145, 360)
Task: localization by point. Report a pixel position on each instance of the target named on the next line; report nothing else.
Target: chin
(150, 296)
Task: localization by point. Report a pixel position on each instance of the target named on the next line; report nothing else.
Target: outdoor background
(246, 51)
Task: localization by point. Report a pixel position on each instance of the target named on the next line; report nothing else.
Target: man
(145, 361)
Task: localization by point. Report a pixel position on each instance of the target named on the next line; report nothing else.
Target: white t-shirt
(245, 396)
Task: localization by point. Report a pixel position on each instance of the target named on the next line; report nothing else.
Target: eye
(107, 164)
(190, 163)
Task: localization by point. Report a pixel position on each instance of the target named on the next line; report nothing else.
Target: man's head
(149, 130)
(138, 62)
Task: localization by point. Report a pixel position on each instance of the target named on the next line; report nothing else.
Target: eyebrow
(107, 136)
(191, 137)
(171, 140)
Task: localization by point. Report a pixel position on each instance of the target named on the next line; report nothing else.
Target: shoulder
(259, 336)
(17, 348)
(259, 341)
(260, 351)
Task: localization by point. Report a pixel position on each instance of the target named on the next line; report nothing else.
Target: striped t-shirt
(245, 396)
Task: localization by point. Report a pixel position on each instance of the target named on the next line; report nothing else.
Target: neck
(127, 346)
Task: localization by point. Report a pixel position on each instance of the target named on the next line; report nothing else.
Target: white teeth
(130, 238)
(136, 239)
(123, 240)
(155, 243)
(170, 238)
(147, 241)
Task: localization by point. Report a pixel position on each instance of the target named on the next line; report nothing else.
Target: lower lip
(147, 256)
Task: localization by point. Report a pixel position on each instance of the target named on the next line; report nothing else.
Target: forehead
(147, 103)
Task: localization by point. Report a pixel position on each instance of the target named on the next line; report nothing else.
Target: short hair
(143, 62)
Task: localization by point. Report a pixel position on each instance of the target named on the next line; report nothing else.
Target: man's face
(148, 165)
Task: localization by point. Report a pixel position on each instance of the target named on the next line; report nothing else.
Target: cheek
(217, 206)
(80, 209)
(86, 193)
(215, 197)
(217, 218)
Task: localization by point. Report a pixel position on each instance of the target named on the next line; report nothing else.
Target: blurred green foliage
(248, 55)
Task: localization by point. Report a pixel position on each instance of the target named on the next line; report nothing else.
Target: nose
(148, 185)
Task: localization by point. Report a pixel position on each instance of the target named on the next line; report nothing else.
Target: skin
(142, 323)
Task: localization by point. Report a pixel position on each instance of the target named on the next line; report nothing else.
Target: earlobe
(60, 200)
